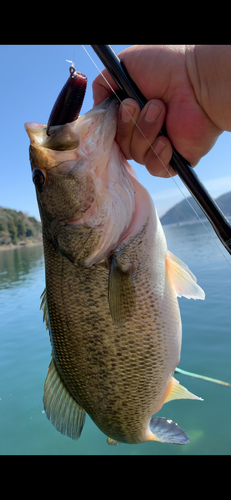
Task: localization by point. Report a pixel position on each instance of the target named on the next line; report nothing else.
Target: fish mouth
(65, 138)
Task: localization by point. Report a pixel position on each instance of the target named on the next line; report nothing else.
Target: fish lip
(36, 133)
(34, 125)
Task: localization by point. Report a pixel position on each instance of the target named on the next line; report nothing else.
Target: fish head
(78, 171)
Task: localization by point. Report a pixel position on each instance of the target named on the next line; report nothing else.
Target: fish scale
(83, 354)
(111, 287)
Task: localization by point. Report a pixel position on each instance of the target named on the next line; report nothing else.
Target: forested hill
(18, 228)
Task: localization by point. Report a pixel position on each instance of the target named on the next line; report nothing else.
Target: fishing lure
(68, 104)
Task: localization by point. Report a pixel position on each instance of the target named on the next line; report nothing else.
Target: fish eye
(39, 178)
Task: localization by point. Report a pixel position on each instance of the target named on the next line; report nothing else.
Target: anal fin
(60, 407)
(178, 391)
(166, 431)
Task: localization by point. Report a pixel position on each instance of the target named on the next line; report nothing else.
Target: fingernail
(152, 113)
(160, 145)
(127, 113)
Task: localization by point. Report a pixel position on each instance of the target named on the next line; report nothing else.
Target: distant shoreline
(20, 245)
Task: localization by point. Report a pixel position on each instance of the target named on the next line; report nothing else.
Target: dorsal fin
(60, 407)
(44, 308)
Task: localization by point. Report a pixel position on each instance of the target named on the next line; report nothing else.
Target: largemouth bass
(110, 302)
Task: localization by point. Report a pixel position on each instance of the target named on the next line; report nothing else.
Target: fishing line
(72, 63)
(166, 168)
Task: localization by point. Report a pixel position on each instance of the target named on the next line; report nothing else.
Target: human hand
(162, 75)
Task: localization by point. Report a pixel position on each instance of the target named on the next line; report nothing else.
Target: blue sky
(31, 79)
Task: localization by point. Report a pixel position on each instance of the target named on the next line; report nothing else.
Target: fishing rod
(183, 168)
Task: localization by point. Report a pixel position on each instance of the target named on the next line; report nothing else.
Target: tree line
(18, 227)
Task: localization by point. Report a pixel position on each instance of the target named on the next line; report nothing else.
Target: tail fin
(166, 431)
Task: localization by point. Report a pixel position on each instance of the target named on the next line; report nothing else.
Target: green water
(25, 356)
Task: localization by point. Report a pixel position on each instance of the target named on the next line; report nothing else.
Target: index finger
(102, 87)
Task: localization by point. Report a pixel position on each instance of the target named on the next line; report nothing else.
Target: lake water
(206, 349)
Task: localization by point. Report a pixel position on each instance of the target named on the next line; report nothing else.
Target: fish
(112, 286)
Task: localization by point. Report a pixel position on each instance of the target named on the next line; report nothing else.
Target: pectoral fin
(121, 293)
(112, 442)
(183, 280)
(60, 407)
